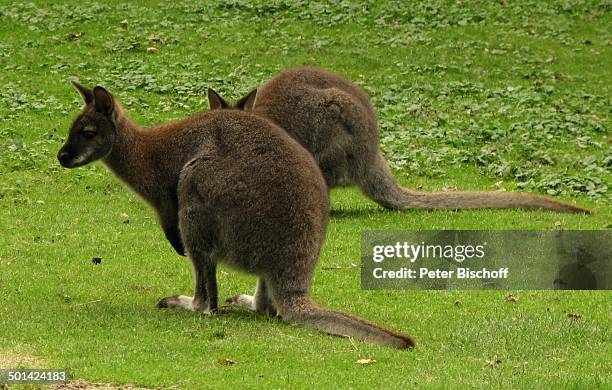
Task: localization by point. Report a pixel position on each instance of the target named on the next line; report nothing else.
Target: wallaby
(228, 186)
(334, 119)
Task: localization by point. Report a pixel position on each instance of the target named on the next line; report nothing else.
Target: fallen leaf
(365, 362)
(457, 302)
(126, 217)
(75, 35)
(152, 50)
(156, 39)
(574, 316)
(493, 363)
(511, 298)
(225, 361)
(124, 23)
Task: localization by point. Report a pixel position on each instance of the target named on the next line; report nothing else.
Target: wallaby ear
(215, 101)
(85, 93)
(103, 101)
(247, 102)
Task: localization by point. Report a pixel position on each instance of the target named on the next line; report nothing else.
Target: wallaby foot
(260, 302)
(249, 302)
(242, 300)
(184, 302)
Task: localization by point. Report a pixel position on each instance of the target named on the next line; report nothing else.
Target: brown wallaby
(334, 119)
(232, 187)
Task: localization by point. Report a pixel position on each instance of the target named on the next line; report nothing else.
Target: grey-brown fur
(229, 187)
(334, 119)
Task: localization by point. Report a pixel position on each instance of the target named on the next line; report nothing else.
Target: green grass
(477, 95)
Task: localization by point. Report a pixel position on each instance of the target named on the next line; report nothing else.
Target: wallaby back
(334, 119)
(229, 187)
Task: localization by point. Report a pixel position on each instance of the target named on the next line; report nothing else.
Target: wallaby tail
(380, 185)
(303, 312)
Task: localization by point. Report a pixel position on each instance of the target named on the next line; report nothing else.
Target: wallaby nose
(63, 157)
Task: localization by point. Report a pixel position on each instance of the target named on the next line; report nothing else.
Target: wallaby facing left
(229, 187)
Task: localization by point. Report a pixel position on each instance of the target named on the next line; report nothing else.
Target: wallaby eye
(88, 132)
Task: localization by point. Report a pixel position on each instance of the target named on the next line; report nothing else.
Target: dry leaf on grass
(74, 35)
(493, 363)
(574, 316)
(511, 298)
(225, 361)
(365, 362)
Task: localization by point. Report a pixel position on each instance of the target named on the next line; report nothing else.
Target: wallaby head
(93, 132)
(245, 103)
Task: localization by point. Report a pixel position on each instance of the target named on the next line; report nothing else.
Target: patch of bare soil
(80, 384)
(14, 360)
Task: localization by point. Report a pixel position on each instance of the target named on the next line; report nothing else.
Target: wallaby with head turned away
(231, 187)
(334, 119)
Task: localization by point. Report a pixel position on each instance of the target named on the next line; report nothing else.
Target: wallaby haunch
(233, 188)
(334, 119)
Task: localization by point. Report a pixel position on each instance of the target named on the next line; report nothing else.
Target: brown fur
(334, 119)
(229, 187)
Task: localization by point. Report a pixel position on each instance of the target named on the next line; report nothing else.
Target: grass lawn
(470, 95)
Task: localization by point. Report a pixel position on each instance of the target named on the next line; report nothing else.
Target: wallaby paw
(184, 302)
(176, 301)
(242, 300)
(205, 310)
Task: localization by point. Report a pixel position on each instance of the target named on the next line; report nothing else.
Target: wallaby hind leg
(196, 237)
(205, 298)
(259, 302)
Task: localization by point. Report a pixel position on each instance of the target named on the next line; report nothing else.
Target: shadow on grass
(120, 318)
(353, 213)
(378, 211)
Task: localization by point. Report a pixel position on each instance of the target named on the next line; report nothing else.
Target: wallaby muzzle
(64, 158)
(68, 159)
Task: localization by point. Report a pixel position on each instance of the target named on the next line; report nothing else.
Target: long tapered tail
(303, 312)
(380, 185)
